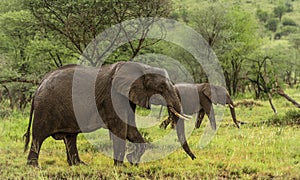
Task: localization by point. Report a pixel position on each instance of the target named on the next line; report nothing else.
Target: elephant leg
(135, 137)
(211, 117)
(33, 155)
(119, 145)
(173, 124)
(71, 148)
(165, 123)
(200, 117)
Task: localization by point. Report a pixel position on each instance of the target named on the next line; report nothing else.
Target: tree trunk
(271, 103)
(287, 97)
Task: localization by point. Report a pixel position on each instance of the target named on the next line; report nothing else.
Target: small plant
(279, 11)
(248, 103)
(289, 7)
(286, 30)
(288, 22)
(4, 111)
(263, 16)
(272, 24)
(291, 117)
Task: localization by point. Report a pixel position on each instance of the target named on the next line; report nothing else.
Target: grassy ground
(257, 150)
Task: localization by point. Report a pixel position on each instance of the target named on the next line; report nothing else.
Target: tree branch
(280, 91)
(18, 79)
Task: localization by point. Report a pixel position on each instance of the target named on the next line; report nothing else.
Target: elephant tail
(27, 134)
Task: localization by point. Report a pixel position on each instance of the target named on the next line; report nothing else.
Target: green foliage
(288, 22)
(38, 36)
(287, 30)
(11, 5)
(272, 24)
(263, 16)
(279, 11)
(79, 22)
(4, 110)
(295, 40)
(289, 7)
(292, 117)
(211, 22)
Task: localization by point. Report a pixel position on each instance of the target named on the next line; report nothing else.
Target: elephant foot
(119, 163)
(81, 163)
(131, 159)
(33, 163)
(163, 125)
(241, 122)
(76, 162)
(173, 125)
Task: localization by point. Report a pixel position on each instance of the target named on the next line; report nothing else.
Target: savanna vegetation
(257, 45)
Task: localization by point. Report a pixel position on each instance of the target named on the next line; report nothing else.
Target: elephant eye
(161, 88)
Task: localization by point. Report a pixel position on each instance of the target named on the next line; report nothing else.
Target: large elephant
(198, 98)
(62, 111)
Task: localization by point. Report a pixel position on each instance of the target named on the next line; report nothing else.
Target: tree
(231, 33)
(78, 22)
(241, 40)
(269, 68)
(211, 22)
(25, 53)
(279, 11)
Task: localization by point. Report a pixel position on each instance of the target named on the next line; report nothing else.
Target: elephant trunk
(175, 110)
(232, 111)
(182, 139)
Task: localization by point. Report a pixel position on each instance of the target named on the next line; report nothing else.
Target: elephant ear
(128, 80)
(217, 94)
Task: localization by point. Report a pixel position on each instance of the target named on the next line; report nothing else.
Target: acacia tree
(37, 36)
(76, 23)
(211, 23)
(279, 11)
(241, 41)
(295, 40)
(269, 68)
(15, 80)
(231, 33)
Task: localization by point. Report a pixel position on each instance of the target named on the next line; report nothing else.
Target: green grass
(257, 150)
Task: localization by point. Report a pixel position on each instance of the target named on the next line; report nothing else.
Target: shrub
(263, 16)
(291, 117)
(279, 11)
(272, 24)
(288, 22)
(286, 30)
(289, 7)
(4, 111)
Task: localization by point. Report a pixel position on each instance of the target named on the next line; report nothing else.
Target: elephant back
(189, 97)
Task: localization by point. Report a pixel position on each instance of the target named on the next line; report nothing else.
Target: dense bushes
(288, 22)
(272, 24)
(292, 117)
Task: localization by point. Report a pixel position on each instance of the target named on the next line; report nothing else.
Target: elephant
(208, 94)
(62, 111)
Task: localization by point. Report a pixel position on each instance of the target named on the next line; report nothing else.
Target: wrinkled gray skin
(208, 94)
(54, 113)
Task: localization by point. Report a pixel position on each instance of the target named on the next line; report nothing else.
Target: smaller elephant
(208, 94)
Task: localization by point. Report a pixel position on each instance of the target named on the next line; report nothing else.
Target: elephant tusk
(178, 114)
(187, 116)
(231, 106)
